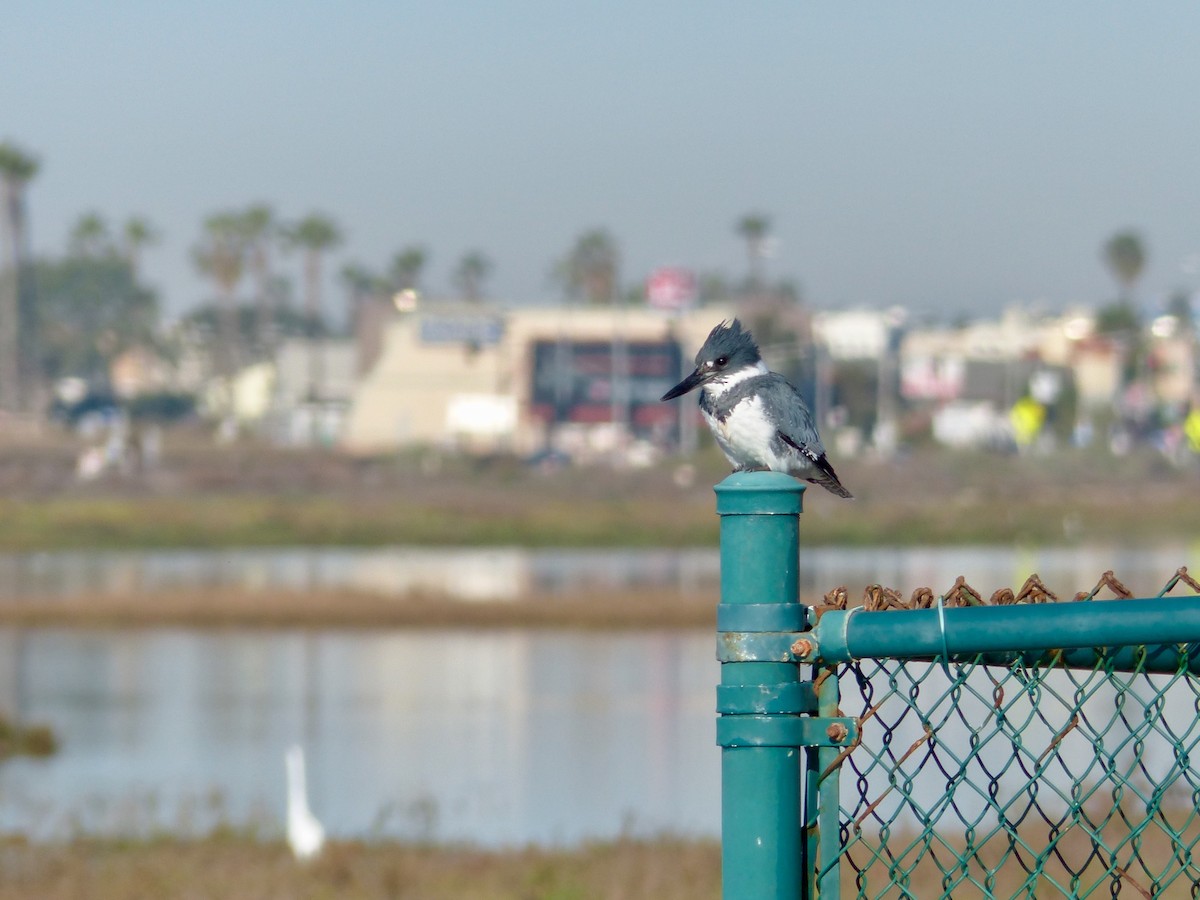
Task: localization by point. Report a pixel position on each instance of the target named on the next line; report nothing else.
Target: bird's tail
(827, 478)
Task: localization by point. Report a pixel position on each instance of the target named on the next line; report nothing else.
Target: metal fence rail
(948, 746)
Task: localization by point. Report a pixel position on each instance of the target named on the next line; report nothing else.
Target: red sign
(670, 288)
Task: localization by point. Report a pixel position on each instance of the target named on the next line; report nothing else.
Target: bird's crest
(729, 339)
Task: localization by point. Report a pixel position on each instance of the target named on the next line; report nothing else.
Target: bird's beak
(689, 383)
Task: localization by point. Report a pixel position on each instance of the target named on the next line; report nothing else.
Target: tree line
(70, 316)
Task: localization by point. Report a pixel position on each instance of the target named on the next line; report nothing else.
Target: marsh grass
(230, 867)
(201, 495)
(1102, 855)
(235, 866)
(25, 739)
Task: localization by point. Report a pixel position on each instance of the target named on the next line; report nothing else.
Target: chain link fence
(1018, 774)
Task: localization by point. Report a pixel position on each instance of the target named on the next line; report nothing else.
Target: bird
(305, 835)
(759, 419)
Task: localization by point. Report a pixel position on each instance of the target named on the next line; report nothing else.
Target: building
(856, 334)
(469, 377)
(299, 397)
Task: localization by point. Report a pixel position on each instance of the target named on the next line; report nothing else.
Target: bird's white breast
(746, 436)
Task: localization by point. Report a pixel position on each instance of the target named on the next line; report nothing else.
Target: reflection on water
(497, 738)
(496, 573)
(506, 573)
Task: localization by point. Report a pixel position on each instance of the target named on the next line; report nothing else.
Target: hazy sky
(943, 155)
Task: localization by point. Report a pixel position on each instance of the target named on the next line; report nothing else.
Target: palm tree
(590, 269)
(1126, 257)
(367, 295)
(407, 265)
(315, 234)
(260, 230)
(221, 255)
(754, 229)
(138, 235)
(362, 287)
(89, 237)
(472, 270)
(17, 169)
(359, 282)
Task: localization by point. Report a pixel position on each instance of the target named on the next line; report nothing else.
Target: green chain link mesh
(977, 780)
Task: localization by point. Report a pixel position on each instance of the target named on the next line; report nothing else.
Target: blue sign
(480, 331)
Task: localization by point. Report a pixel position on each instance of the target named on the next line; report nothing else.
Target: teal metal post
(760, 772)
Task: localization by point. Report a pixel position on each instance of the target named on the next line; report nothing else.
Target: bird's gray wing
(796, 426)
(798, 430)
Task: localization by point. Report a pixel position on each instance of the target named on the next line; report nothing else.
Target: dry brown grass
(1075, 861)
(234, 869)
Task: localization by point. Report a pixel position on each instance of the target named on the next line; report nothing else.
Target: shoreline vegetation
(199, 495)
(231, 865)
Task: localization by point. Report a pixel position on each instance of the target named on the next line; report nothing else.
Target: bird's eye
(722, 360)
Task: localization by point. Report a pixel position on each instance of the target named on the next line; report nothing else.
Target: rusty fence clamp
(772, 714)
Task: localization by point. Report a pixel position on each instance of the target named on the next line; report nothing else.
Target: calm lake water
(506, 573)
(494, 737)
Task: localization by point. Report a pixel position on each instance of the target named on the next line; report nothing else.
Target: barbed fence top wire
(877, 598)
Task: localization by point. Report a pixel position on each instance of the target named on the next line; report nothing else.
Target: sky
(953, 158)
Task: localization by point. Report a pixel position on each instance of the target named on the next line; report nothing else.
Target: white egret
(304, 833)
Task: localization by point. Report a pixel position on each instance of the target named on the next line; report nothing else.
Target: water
(507, 573)
(499, 737)
(471, 574)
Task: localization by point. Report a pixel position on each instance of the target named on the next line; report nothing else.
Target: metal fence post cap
(759, 493)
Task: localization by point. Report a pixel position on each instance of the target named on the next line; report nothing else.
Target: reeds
(230, 867)
(21, 739)
(204, 496)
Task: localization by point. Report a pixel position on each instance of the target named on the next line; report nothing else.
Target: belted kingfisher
(759, 420)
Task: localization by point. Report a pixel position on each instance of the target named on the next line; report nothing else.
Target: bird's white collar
(718, 386)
